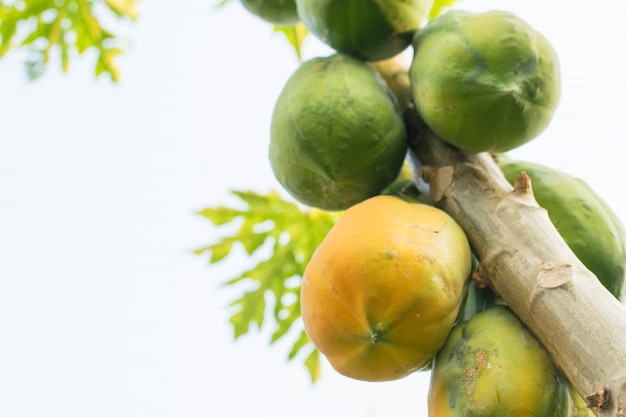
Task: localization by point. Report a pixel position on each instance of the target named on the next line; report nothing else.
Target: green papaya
(278, 12)
(484, 81)
(337, 134)
(493, 366)
(587, 224)
(368, 29)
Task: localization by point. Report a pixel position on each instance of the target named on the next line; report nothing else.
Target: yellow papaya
(384, 288)
(493, 366)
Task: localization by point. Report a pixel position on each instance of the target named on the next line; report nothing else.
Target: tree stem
(524, 259)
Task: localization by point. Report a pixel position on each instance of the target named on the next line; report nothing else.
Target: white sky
(104, 312)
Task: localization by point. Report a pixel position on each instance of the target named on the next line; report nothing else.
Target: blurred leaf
(438, 7)
(219, 215)
(302, 341)
(295, 35)
(123, 8)
(69, 27)
(220, 250)
(312, 363)
(271, 287)
(251, 310)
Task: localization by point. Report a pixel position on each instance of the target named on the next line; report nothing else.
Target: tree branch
(524, 259)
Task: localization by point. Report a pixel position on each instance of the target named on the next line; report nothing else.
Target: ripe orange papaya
(368, 29)
(384, 288)
(493, 366)
(587, 224)
(484, 81)
(337, 133)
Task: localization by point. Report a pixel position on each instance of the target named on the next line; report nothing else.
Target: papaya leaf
(312, 360)
(295, 35)
(219, 215)
(69, 27)
(312, 363)
(284, 324)
(123, 8)
(220, 250)
(279, 237)
(438, 7)
(250, 308)
(301, 342)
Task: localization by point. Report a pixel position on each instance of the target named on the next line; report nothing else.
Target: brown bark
(525, 260)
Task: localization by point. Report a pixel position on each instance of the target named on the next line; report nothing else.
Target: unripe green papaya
(368, 29)
(278, 12)
(493, 366)
(587, 224)
(484, 81)
(337, 133)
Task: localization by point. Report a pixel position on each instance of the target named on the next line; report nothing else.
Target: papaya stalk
(523, 258)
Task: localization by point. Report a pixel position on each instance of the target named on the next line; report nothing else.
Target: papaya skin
(337, 135)
(492, 366)
(384, 288)
(278, 12)
(484, 81)
(367, 29)
(587, 224)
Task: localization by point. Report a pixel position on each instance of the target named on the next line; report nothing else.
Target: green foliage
(438, 7)
(291, 235)
(67, 26)
(295, 35)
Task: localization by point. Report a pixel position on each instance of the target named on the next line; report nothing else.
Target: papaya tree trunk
(523, 258)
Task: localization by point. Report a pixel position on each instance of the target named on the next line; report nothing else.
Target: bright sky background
(103, 310)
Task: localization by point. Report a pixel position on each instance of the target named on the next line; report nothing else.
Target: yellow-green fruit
(337, 133)
(591, 229)
(278, 12)
(492, 366)
(484, 81)
(368, 29)
(579, 407)
(384, 288)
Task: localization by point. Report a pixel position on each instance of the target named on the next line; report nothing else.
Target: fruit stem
(393, 71)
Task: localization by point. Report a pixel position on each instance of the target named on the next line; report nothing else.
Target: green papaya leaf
(295, 35)
(124, 8)
(270, 289)
(69, 27)
(312, 363)
(439, 6)
(250, 308)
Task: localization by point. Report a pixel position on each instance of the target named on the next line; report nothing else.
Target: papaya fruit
(367, 29)
(579, 407)
(493, 366)
(278, 12)
(384, 288)
(587, 224)
(484, 81)
(337, 134)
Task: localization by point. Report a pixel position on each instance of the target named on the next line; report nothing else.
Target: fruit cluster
(386, 292)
